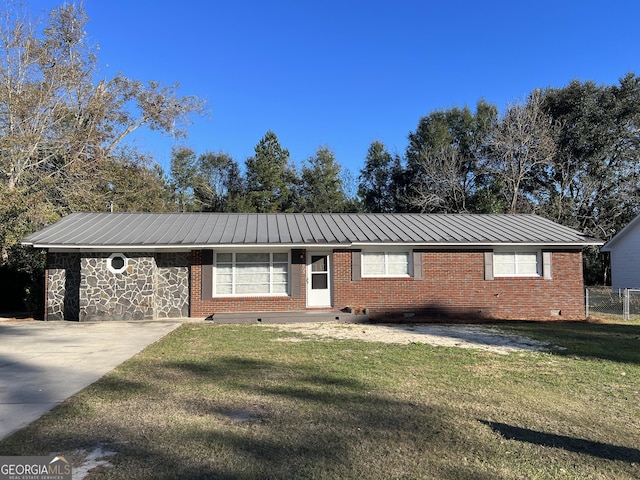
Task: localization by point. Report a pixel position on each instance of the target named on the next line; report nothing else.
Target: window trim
(386, 252)
(233, 293)
(114, 270)
(515, 252)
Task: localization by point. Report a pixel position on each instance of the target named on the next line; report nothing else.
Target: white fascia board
(170, 248)
(478, 245)
(188, 248)
(110, 248)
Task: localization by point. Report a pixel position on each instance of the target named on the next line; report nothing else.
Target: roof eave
(180, 247)
(481, 244)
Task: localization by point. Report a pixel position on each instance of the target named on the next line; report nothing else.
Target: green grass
(245, 402)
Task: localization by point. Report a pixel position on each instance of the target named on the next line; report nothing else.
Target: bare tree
(522, 147)
(445, 184)
(60, 126)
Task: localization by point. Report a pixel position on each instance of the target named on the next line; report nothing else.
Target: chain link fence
(620, 303)
(633, 304)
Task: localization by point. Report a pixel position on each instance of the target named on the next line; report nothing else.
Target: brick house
(130, 266)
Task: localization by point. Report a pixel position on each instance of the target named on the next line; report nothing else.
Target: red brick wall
(453, 285)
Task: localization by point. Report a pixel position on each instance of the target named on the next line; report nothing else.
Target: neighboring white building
(625, 256)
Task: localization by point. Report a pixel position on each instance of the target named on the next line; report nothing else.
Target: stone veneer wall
(63, 286)
(83, 288)
(172, 285)
(105, 295)
(152, 286)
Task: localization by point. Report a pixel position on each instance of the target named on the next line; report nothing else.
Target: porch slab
(286, 317)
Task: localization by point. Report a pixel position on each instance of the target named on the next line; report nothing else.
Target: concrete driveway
(43, 363)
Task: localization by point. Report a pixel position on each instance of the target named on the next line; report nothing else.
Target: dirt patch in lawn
(462, 336)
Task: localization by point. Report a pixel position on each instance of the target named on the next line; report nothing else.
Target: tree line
(570, 153)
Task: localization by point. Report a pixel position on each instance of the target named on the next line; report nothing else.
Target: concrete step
(286, 317)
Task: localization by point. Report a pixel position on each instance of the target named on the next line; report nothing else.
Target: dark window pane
(319, 281)
(117, 263)
(318, 263)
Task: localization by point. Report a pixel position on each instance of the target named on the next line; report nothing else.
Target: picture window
(251, 273)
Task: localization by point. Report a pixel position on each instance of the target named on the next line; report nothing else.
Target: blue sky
(342, 74)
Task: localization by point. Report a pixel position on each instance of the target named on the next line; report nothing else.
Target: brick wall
(452, 285)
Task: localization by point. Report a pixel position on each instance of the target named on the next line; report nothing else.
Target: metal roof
(153, 231)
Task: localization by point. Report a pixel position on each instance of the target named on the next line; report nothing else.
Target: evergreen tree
(218, 185)
(380, 180)
(183, 177)
(321, 187)
(594, 183)
(271, 180)
(445, 156)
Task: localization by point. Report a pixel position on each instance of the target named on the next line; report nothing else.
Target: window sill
(518, 276)
(250, 295)
(386, 277)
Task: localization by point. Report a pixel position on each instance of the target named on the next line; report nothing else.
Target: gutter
(187, 248)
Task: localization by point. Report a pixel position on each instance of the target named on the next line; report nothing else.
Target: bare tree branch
(522, 143)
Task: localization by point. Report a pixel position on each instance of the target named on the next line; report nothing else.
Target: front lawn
(247, 402)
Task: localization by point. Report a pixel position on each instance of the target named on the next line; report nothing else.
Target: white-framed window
(117, 263)
(385, 264)
(251, 273)
(519, 263)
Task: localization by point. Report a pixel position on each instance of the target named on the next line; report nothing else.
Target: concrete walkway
(44, 363)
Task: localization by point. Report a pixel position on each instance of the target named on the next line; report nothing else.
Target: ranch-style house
(136, 266)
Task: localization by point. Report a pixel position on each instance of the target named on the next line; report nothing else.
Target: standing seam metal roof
(184, 230)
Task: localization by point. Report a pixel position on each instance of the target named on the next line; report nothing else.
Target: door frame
(329, 301)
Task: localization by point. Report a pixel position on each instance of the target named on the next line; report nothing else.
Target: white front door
(318, 279)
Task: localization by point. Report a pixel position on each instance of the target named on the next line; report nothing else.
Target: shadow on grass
(606, 341)
(571, 444)
(112, 387)
(221, 368)
(272, 420)
(285, 421)
(223, 414)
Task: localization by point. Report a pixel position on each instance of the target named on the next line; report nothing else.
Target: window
(516, 264)
(117, 263)
(385, 264)
(251, 273)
